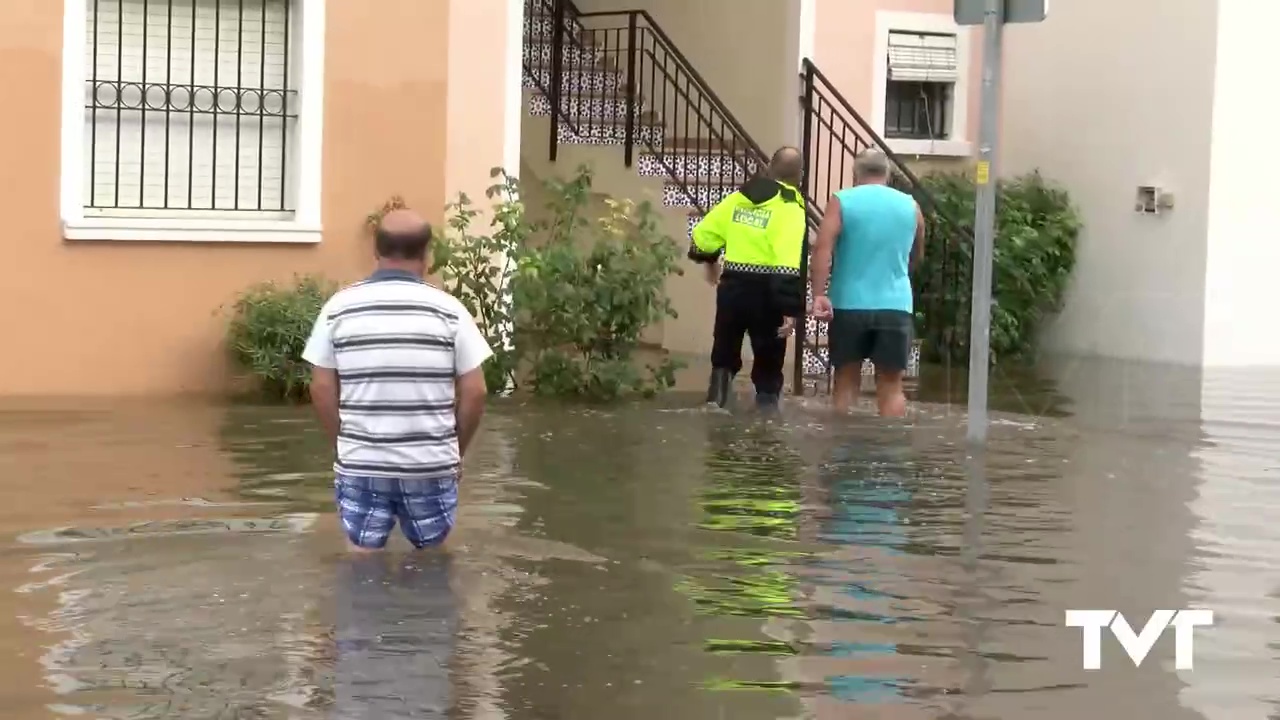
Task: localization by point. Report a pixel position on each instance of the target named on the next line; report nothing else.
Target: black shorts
(881, 336)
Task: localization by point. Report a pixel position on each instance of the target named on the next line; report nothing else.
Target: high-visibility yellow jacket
(760, 231)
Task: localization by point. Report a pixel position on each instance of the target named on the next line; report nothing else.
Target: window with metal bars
(918, 110)
(190, 107)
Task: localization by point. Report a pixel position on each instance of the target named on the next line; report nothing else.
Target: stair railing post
(632, 101)
(806, 154)
(559, 14)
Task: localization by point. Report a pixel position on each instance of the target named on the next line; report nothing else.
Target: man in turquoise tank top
(870, 236)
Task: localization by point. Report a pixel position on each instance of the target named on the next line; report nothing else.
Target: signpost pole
(985, 221)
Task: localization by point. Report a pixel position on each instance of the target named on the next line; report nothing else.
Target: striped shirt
(398, 344)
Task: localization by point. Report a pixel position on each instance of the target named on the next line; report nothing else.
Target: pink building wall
(845, 48)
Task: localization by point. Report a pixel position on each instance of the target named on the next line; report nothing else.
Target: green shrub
(476, 269)
(586, 292)
(268, 331)
(1035, 252)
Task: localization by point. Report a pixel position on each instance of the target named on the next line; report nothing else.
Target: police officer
(758, 233)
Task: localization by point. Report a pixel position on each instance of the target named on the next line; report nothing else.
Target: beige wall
(691, 297)
(740, 49)
(138, 318)
(1135, 109)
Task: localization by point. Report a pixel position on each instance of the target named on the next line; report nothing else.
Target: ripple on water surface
(636, 561)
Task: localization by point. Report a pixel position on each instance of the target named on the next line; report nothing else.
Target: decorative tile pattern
(584, 107)
(731, 168)
(608, 134)
(538, 27)
(704, 195)
(815, 362)
(588, 82)
(539, 53)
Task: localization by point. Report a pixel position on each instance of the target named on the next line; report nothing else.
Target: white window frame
(958, 145)
(305, 161)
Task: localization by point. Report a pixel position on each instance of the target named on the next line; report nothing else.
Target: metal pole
(806, 153)
(984, 223)
(629, 138)
(555, 87)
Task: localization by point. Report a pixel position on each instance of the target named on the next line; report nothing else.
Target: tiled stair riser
(699, 195)
(583, 107)
(538, 27)
(725, 167)
(578, 82)
(539, 53)
(607, 134)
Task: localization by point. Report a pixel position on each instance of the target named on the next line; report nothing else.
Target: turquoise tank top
(872, 258)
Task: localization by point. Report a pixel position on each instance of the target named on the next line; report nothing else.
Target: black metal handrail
(833, 135)
(817, 84)
(671, 49)
(545, 11)
(618, 76)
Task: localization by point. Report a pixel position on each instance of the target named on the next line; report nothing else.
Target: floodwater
(180, 560)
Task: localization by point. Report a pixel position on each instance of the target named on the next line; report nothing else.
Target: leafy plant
(476, 269)
(1037, 228)
(268, 331)
(395, 202)
(587, 291)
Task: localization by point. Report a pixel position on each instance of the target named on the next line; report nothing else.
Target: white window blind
(919, 57)
(189, 105)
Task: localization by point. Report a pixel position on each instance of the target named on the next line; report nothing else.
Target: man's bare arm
(324, 397)
(824, 247)
(917, 249)
(470, 393)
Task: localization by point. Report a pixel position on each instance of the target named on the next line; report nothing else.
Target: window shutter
(158, 69)
(917, 57)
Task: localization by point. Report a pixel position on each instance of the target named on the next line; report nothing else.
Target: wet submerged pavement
(180, 561)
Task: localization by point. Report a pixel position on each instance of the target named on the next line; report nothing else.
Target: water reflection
(395, 626)
(1235, 571)
(280, 454)
(751, 494)
(177, 625)
(867, 487)
(182, 561)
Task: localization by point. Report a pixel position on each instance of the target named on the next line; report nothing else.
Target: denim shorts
(369, 508)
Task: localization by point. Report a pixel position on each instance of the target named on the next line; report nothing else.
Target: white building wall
(1241, 286)
(1103, 97)
(1238, 497)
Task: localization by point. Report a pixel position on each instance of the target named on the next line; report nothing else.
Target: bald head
(402, 235)
(871, 166)
(787, 165)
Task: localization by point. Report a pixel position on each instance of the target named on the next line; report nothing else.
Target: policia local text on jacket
(760, 230)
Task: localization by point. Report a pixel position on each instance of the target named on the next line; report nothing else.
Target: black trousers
(746, 307)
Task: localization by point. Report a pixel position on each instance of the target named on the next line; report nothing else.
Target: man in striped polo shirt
(398, 385)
